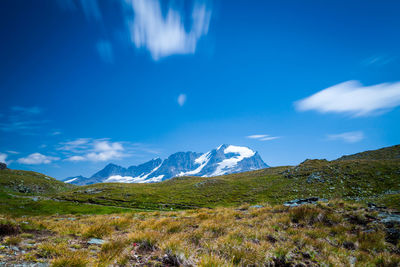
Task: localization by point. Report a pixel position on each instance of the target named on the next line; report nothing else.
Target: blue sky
(85, 83)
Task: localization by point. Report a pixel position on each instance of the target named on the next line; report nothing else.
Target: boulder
(3, 166)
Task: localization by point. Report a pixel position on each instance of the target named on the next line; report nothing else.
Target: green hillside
(360, 180)
(29, 182)
(391, 152)
(363, 180)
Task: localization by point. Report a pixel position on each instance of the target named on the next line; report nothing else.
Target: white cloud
(181, 99)
(166, 35)
(262, 137)
(348, 137)
(353, 98)
(105, 150)
(76, 158)
(37, 158)
(3, 157)
(12, 152)
(55, 133)
(75, 145)
(104, 48)
(87, 149)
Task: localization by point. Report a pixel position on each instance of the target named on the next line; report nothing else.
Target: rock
(15, 248)
(352, 260)
(257, 206)
(349, 245)
(170, 260)
(392, 235)
(315, 177)
(3, 166)
(389, 218)
(302, 201)
(96, 241)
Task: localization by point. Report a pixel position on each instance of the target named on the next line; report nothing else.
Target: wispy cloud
(167, 35)
(348, 137)
(27, 110)
(3, 157)
(37, 158)
(353, 98)
(105, 50)
(86, 149)
(378, 60)
(55, 133)
(21, 120)
(12, 152)
(181, 99)
(158, 26)
(262, 137)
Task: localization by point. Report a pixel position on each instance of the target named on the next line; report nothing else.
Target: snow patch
(227, 164)
(155, 179)
(119, 179)
(202, 160)
(70, 181)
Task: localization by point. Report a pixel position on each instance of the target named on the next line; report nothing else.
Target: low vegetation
(197, 221)
(360, 180)
(334, 233)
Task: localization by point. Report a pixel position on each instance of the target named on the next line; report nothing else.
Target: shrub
(111, 249)
(73, 259)
(97, 231)
(12, 240)
(8, 228)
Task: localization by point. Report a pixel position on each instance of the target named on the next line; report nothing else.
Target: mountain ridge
(225, 159)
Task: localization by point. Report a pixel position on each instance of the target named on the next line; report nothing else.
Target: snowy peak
(224, 159)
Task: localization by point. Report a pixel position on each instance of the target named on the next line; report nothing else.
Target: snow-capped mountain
(225, 159)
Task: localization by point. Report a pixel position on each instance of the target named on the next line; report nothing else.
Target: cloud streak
(20, 120)
(166, 35)
(353, 98)
(262, 137)
(36, 159)
(181, 99)
(348, 137)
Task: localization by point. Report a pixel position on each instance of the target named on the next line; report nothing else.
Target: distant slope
(356, 180)
(30, 182)
(391, 152)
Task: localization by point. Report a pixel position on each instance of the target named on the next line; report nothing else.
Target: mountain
(391, 152)
(30, 182)
(225, 159)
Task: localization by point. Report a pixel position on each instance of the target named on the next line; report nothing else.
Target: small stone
(257, 206)
(352, 260)
(96, 241)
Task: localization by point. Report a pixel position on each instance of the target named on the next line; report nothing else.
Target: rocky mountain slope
(391, 152)
(225, 159)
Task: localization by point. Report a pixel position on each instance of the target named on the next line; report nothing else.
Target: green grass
(28, 182)
(361, 180)
(351, 179)
(17, 206)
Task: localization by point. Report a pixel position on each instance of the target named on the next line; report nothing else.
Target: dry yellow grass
(326, 234)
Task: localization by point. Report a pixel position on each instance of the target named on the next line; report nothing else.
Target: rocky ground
(307, 232)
